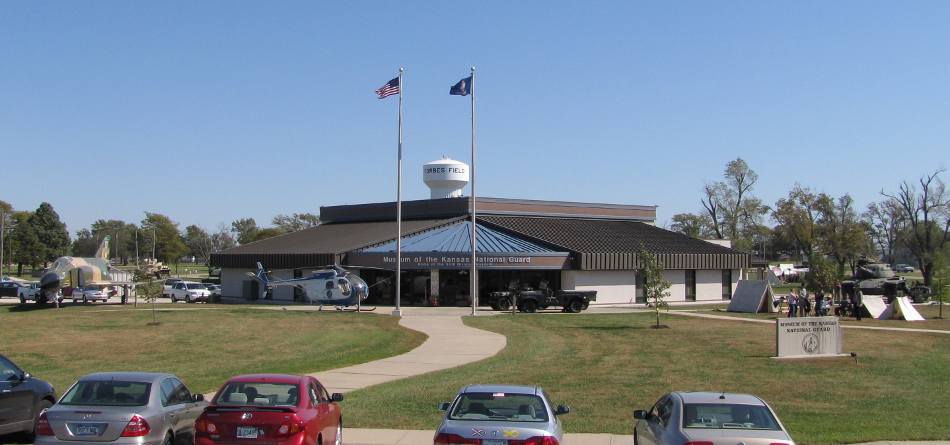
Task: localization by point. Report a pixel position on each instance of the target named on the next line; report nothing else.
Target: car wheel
(339, 433)
(504, 304)
(576, 305)
(529, 306)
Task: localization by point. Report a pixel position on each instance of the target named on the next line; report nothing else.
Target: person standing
(803, 306)
(857, 304)
(819, 301)
(792, 304)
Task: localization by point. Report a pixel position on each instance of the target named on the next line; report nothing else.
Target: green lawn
(605, 366)
(204, 347)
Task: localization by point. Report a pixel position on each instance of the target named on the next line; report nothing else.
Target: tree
(821, 275)
(51, 232)
(927, 213)
(730, 206)
(25, 243)
(245, 229)
(169, 246)
(885, 221)
(198, 242)
(6, 216)
(692, 225)
(85, 244)
(797, 216)
(655, 288)
(222, 239)
(842, 234)
(298, 221)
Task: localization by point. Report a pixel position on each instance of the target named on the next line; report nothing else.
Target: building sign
(459, 260)
(807, 337)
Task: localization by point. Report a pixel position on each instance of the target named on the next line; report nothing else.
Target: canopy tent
(752, 296)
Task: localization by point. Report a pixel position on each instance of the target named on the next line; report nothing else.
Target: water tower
(445, 177)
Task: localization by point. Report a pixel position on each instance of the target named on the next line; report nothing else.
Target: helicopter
(331, 285)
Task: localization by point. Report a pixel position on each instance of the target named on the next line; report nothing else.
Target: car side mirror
(336, 397)
(444, 406)
(561, 409)
(641, 414)
(199, 397)
(26, 376)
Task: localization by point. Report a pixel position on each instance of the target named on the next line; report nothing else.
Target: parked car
(189, 292)
(903, 268)
(28, 292)
(23, 398)
(91, 292)
(530, 300)
(495, 414)
(168, 284)
(122, 407)
(679, 418)
(10, 289)
(271, 408)
(213, 289)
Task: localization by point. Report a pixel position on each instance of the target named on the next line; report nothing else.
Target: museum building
(521, 243)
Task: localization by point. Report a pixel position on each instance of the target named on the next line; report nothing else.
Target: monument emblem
(810, 343)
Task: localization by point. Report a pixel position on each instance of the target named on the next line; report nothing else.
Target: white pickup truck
(28, 292)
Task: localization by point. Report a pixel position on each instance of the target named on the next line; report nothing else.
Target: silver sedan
(497, 414)
(125, 408)
(709, 418)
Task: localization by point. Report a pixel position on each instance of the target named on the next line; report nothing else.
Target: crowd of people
(800, 304)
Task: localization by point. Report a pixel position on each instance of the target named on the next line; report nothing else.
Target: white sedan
(92, 292)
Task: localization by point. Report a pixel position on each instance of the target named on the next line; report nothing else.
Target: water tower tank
(445, 177)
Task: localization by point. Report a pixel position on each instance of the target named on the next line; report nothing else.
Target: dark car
(22, 399)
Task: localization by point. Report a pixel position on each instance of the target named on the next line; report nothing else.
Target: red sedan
(277, 409)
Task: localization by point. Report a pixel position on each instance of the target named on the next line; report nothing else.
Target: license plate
(87, 430)
(247, 432)
(494, 442)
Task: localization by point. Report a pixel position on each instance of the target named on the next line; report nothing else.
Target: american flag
(391, 87)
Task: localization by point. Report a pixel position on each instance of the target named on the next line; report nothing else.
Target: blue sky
(213, 111)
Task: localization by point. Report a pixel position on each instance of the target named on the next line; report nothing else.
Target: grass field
(204, 347)
(605, 366)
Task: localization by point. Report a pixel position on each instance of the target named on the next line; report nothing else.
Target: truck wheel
(503, 304)
(576, 305)
(529, 306)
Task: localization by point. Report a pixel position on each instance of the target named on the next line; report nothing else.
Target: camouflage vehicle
(154, 268)
(875, 279)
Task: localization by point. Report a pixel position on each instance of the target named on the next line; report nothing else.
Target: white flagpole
(398, 311)
(474, 272)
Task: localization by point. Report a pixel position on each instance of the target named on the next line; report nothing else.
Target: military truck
(155, 268)
(530, 300)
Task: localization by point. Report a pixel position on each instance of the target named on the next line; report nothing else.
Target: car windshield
(724, 415)
(499, 406)
(195, 286)
(259, 394)
(107, 393)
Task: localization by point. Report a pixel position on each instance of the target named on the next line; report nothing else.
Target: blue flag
(463, 88)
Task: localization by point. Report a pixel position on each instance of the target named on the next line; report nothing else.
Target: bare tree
(730, 206)
(927, 213)
(886, 220)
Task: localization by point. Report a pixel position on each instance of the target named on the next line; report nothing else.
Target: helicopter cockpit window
(344, 286)
(329, 284)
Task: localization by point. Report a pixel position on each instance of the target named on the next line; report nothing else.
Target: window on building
(726, 284)
(690, 285)
(640, 296)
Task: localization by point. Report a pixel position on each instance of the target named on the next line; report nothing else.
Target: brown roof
(316, 246)
(604, 244)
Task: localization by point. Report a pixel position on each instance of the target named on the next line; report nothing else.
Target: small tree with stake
(655, 288)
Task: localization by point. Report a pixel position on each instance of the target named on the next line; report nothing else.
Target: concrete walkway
(772, 322)
(450, 344)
